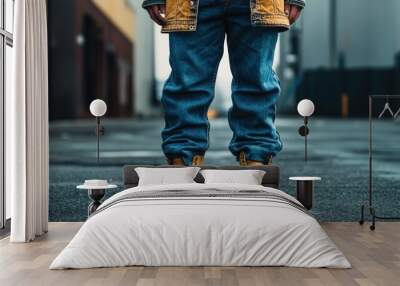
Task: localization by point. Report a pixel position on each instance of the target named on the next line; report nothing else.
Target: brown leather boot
(176, 161)
(244, 162)
(197, 160)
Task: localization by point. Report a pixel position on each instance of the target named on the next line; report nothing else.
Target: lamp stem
(305, 138)
(98, 139)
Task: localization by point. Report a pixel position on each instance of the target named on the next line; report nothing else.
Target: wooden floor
(375, 257)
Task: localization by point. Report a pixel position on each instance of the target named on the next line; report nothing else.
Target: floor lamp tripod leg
(361, 221)
(372, 226)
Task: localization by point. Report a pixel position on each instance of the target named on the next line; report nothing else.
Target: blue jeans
(189, 90)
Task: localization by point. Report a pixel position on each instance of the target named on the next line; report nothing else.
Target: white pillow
(166, 176)
(248, 177)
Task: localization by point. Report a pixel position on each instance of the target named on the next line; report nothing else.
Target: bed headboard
(271, 177)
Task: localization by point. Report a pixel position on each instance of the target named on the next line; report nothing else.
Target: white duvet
(200, 231)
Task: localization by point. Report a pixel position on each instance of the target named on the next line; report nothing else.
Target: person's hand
(293, 12)
(157, 14)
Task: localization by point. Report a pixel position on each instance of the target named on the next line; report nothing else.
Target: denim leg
(189, 90)
(255, 86)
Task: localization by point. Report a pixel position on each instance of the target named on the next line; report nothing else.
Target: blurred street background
(337, 54)
(338, 152)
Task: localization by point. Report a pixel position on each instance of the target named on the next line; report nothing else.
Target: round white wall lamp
(98, 108)
(306, 109)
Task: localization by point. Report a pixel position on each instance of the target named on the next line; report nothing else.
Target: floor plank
(375, 257)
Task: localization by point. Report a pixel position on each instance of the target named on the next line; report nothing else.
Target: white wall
(368, 32)
(143, 59)
(9, 75)
(315, 34)
(161, 59)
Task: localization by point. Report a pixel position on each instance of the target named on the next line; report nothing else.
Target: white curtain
(27, 124)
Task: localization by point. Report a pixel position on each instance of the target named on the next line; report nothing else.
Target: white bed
(267, 229)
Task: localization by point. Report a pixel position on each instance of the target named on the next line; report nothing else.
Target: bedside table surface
(83, 187)
(305, 178)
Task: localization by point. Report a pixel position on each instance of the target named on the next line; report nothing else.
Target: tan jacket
(181, 15)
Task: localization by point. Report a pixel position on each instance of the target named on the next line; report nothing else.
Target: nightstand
(305, 190)
(95, 193)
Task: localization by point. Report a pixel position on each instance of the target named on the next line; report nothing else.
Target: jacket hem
(273, 21)
(148, 3)
(179, 26)
(280, 22)
(299, 3)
